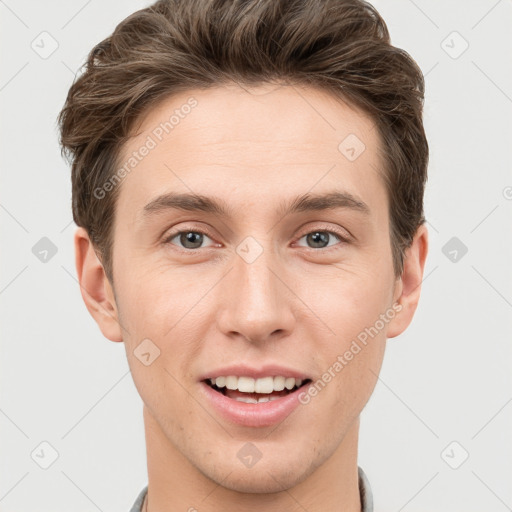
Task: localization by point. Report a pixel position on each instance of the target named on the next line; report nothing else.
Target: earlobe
(95, 288)
(408, 286)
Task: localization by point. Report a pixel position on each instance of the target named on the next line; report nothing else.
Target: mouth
(255, 391)
(254, 397)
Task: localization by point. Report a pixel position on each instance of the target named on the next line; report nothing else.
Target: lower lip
(263, 414)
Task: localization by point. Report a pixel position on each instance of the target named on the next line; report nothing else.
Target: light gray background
(447, 378)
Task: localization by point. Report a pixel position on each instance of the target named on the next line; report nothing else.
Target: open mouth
(252, 396)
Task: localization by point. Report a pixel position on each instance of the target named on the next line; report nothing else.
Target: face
(278, 271)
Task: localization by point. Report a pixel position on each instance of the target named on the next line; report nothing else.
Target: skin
(298, 304)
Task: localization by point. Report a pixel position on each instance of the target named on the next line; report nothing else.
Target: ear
(408, 286)
(96, 289)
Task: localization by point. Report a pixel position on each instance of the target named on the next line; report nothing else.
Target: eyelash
(342, 238)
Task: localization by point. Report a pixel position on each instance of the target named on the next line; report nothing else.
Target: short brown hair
(340, 46)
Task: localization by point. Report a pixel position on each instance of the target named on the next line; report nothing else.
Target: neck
(175, 484)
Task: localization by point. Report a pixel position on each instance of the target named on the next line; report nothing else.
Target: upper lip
(268, 370)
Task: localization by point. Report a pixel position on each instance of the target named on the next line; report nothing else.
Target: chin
(252, 481)
(270, 477)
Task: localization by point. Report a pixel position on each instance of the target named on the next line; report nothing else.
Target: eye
(188, 238)
(194, 239)
(319, 239)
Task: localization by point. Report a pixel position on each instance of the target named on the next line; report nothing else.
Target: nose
(257, 301)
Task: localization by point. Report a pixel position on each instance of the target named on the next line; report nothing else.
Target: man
(248, 183)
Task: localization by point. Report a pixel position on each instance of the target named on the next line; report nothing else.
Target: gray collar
(365, 493)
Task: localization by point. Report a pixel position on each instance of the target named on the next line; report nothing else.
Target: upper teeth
(250, 385)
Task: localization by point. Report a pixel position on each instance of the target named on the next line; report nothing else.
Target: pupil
(191, 237)
(318, 237)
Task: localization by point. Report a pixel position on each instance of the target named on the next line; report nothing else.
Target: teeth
(279, 383)
(289, 383)
(264, 385)
(231, 382)
(249, 400)
(246, 384)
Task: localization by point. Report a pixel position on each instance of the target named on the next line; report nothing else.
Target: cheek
(153, 301)
(353, 312)
(350, 368)
(160, 312)
(347, 301)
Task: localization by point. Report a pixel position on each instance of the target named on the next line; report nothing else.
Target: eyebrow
(306, 202)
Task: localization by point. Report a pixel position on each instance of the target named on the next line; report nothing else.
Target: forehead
(255, 145)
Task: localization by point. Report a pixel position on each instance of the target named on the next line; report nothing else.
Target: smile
(252, 391)
(254, 402)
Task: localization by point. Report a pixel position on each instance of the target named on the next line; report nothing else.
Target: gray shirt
(365, 493)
